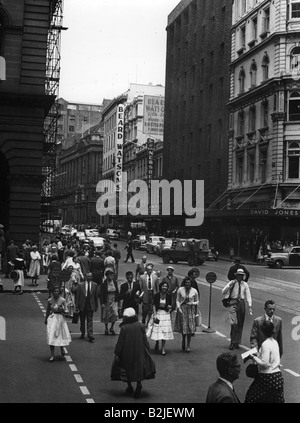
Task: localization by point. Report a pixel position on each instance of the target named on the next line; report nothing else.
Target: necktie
(149, 282)
(239, 293)
(88, 291)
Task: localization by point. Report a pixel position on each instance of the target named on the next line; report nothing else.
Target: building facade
(25, 26)
(197, 90)
(263, 195)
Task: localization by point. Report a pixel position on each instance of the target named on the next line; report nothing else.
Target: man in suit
(257, 337)
(87, 303)
(222, 391)
(141, 268)
(129, 293)
(149, 288)
(235, 267)
(173, 284)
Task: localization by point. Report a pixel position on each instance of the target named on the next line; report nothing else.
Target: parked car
(112, 234)
(91, 232)
(80, 235)
(213, 254)
(165, 243)
(290, 256)
(152, 243)
(183, 250)
(139, 243)
(98, 241)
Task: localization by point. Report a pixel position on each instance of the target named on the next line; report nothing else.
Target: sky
(110, 44)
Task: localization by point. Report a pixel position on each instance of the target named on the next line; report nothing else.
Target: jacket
(81, 297)
(257, 337)
(221, 393)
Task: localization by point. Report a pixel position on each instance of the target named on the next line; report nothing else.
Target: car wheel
(278, 264)
(166, 259)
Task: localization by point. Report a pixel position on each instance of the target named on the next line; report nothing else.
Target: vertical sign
(150, 152)
(154, 110)
(119, 147)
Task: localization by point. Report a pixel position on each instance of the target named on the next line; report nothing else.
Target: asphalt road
(84, 375)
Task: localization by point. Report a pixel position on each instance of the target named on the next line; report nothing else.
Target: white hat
(129, 312)
(240, 272)
(170, 267)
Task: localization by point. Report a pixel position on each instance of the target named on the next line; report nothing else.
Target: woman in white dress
(19, 270)
(35, 265)
(58, 334)
(160, 325)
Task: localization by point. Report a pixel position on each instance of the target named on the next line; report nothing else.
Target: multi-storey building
(263, 196)
(28, 39)
(197, 90)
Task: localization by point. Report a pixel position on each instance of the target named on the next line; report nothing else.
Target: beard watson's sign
(154, 110)
(119, 148)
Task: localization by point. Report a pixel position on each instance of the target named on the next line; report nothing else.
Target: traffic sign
(211, 277)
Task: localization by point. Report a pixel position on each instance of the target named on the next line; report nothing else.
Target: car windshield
(287, 249)
(156, 239)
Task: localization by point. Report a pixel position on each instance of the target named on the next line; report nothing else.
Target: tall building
(27, 39)
(197, 90)
(263, 198)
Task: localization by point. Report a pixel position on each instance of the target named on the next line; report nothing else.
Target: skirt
(109, 313)
(162, 330)
(185, 322)
(267, 388)
(34, 269)
(20, 281)
(58, 334)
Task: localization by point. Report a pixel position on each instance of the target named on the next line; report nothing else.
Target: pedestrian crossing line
(73, 368)
(68, 358)
(84, 390)
(90, 401)
(78, 378)
(292, 372)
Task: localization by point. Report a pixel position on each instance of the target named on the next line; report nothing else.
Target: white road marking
(90, 401)
(78, 378)
(292, 373)
(68, 358)
(73, 368)
(84, 390)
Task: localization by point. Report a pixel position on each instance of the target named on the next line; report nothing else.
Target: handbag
(252, 370)
(156, 321)
(75, 318)
(226, 301)
(117, 372)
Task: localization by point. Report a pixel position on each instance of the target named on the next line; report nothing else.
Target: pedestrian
(148, 288)
(117, 256)
(46, 256)
(267, 387)
(129, 293)
(187, 304)
(132, 353)
(160, 325)
(109, 299)
(87, 304)
(54, 270)
(35, 265)
(129, 248)
(2, 249)
(235, 267)
(173, 285)
(110, 262)
(237, 290)
(72, 261)
(192, 275)
(58, 334)
(97, 267)
(141, 268)
(11, 255)
(257, 337)
(85, 263)
(19, 267)
(222, 391)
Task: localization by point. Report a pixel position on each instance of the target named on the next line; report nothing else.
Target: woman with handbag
(58, 334)
(267, 387)
(160, 325)
(132, 358)
(109, 299)
(187, 309)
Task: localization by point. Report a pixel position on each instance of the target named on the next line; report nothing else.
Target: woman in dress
(71, 287)
(187, 303)
(58, 334)
(35, 265)
(109, 298)
(19, 268)
(162, 307)
(267, 387)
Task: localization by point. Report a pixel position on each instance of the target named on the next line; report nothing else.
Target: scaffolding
(49, 162)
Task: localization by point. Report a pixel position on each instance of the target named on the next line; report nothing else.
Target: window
(295, 59)
(71, 129)
(242, 76)
(243, 6)
(266, 21)
(294, 106)
(293, 156)
(295, 9)
(263, 166)
(241, 123)
(265, 66)
(251, 167)
(239, 169)
(264, 113)
(253, 73)
(254, 28)
(252, 119)
(243, 36)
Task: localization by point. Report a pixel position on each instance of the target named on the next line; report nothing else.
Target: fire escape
(49, 164)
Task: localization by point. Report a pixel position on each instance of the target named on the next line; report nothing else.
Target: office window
(242, 77)
(252, 119)
(294, 106)
(254, 28)
(266, 20)
(243, 36)
(264, 113)
(251, 167)
(295, 59)
(239, 169)
(71, 129)
(293, 162)
(253, 73)
(263, 166)
(295, 9)
(241, 123)
(265, 67)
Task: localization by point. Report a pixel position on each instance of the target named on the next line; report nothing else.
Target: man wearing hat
(237, 265)
(148, 284)
(141, 268)
(129, 293)
(238, 291)
(173, 284)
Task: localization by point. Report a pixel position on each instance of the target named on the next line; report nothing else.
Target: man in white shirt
(238, 291)
(149, 288)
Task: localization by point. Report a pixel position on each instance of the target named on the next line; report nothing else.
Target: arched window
(265, 66)
(242, 77)
(241, 123)
(294, 106)
(293, 160)
(253, 73)
(295, 59)
(264, 113)
(252, 119)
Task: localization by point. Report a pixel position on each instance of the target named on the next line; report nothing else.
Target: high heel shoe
(163, 352)
(51, 359)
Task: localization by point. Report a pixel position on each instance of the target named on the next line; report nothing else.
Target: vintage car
(153, 242)
(166, 243)
(139, 243)
(112, 234)
(290, 256)
(192, 251)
